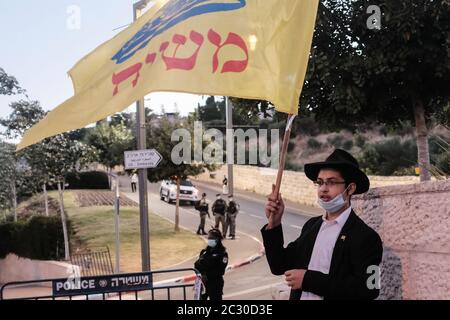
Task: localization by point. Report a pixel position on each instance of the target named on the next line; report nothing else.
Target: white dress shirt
(324, 246)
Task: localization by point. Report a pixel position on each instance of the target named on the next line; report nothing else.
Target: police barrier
(131, 286)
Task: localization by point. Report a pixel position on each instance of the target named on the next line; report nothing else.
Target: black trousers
(214, 289)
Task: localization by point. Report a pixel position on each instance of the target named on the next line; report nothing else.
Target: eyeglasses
(328, 183)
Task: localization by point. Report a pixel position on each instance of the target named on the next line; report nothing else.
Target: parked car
(188, 192)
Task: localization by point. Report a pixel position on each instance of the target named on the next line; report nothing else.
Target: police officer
(211, 264)
(232, 211)
(219, 208)
(202, 207)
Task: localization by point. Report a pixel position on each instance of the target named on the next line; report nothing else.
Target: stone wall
(295, 185)
(414, 224)
(13, 268)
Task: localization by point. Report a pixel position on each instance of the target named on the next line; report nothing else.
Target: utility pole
(142, 145)
(230, 144)
(117, 220)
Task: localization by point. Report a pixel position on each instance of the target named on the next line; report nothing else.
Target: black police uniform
(212, 264)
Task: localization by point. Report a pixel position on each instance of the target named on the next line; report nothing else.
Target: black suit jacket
(357, 247)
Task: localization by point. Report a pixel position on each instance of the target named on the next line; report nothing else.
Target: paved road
(252, 281)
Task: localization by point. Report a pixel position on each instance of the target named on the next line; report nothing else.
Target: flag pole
(284, 147)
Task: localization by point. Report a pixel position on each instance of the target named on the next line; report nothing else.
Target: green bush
(291, 166)
(347, 145)
(359, 140)
(291, 146)
(88, 180)
(336, 141)
(383, 130)
(388, 156)
(443, 162)
(313, 143)
(39, 238)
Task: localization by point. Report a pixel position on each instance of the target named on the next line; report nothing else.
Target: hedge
(87, 180)
(39, 238)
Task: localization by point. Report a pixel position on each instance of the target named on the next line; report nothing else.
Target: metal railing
(132, 286)
(94, 263)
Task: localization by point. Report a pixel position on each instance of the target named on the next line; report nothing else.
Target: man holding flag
(336, 254)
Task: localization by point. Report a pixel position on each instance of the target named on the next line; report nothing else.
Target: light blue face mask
(334, 205)
(212, 243)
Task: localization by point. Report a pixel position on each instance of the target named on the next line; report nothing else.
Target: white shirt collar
(343, 217)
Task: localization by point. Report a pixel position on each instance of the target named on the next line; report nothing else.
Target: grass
(94, 227)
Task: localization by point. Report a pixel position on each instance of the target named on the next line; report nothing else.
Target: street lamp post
(141, 145)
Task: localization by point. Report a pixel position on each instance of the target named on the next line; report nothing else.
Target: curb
(305, 213)
(193, 277)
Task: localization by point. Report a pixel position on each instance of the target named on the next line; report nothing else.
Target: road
(252, 281)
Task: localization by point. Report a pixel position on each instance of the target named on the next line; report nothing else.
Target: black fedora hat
(345, 163)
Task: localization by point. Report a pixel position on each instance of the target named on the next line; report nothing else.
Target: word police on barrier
(142, 159)
(104, 284)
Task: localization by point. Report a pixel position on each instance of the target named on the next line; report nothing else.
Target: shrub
(40, 238)
(347, 145)
(443, 162)
(383, 130)
(291, 166)
(336, 141)
(359, 140)
(388, 156)
(88, 180)
(313, 143)
(291, 146)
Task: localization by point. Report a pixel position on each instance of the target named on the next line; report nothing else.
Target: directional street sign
(142, 159)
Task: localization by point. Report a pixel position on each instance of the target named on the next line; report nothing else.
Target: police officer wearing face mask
(333, 256)
(211, 264)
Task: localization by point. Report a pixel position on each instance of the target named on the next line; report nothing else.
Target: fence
(132, 286)
(94, 263)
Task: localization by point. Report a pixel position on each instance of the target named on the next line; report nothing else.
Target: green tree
(47, 162)
(398, 73)
(7, 169)
(24, 115)
(358, 76)
(212, 111)
(111, 141)
(8, 84)
(159, 137)
(52, 160)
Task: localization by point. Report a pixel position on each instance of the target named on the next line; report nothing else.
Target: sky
(42, 40)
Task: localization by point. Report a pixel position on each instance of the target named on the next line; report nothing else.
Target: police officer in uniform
(219, 208)
(232, 211)
(202, 206)
(211, 264)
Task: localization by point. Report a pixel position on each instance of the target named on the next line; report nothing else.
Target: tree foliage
(8, 84)
(111, 141)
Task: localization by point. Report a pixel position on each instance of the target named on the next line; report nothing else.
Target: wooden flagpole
(284, 148)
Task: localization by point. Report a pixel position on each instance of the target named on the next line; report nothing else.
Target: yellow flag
(255, 49)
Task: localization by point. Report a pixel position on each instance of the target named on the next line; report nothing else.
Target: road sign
(142, 159)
